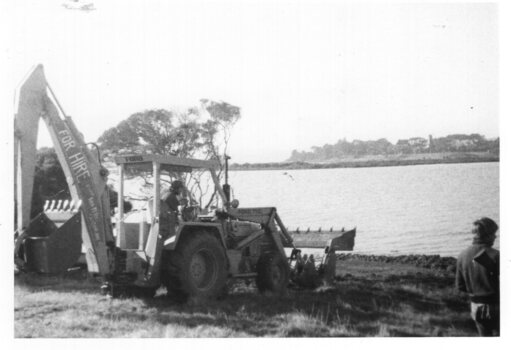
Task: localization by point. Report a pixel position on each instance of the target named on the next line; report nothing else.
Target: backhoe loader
(140, 251)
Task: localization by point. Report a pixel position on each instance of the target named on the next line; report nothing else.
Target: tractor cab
(133, 228)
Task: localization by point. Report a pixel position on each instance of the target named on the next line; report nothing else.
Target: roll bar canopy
(167, 162)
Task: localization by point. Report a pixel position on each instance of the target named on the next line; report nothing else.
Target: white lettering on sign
(94, 209)
(79, 165)
(67, 139)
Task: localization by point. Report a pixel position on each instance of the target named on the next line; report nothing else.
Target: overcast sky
(304, 73)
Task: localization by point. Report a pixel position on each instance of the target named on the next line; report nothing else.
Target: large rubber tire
(272, 273)
(198, 268)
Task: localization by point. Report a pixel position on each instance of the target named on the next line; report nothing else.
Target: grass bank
(371, 297)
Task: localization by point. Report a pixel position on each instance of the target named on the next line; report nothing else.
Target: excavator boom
(82, 169)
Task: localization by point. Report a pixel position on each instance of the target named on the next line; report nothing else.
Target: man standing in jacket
(477, 274)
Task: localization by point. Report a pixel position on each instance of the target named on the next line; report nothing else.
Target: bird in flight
(288, 174)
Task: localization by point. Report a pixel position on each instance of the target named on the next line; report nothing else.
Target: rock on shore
(426, 261)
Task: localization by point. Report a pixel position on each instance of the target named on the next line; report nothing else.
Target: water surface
(421, 209)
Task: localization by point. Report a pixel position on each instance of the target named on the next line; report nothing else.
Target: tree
(295, 156)
(494, 146)
(49, 180)
(202, 131)
(217, 130)
(120, 137)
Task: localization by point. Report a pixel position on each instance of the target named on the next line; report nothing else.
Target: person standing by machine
(477, 274)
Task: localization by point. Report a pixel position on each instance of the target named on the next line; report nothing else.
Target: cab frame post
(156, 195)
(120, 208)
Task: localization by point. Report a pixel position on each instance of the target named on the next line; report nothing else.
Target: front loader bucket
(50, 246)
(336, 240)
(306, 271)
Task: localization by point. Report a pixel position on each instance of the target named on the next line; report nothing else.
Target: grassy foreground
(371, 297)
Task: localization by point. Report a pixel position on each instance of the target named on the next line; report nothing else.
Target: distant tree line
(415, 145)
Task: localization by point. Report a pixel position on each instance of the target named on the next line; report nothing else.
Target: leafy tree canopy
(201, 131)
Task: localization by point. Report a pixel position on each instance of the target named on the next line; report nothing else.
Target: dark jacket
(477, 273)
(172, 201)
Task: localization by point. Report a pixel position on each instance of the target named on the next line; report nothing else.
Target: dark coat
(477, 273)
(172, 201)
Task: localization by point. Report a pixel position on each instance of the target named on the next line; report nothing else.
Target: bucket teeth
(60, 206)
(78, 205)
(319, 230)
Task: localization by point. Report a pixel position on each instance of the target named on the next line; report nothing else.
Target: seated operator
(174, 197)
(173, 201)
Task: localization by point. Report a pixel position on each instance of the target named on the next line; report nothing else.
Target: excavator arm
(85, 176)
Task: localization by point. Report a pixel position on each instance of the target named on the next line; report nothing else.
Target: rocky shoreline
(435, 262)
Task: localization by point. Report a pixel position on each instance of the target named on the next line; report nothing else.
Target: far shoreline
(372, 162)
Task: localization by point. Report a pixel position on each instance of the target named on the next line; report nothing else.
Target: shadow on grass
(72, 281)
(361, 305)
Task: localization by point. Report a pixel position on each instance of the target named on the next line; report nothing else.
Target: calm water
(422, 209)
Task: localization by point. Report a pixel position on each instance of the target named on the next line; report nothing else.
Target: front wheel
(272, 273)
(199, 267)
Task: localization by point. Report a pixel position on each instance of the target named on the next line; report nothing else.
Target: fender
(184, 228)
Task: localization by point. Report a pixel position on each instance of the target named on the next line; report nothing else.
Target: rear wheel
(198, 268)
(272, 273)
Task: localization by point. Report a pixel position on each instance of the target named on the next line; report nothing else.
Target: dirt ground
(371, 297)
